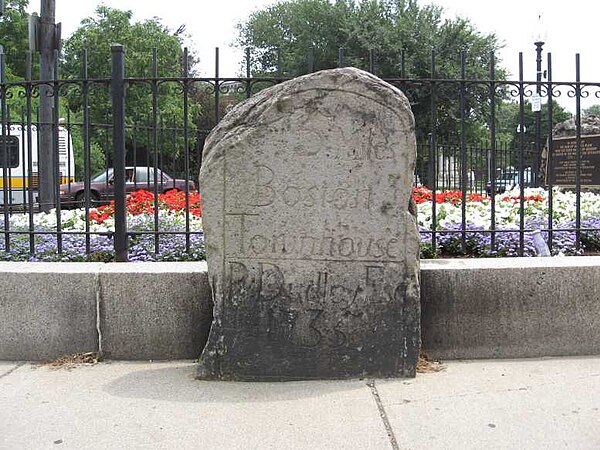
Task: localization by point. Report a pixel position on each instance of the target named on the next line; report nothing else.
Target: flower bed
(171, 244)
(171, 216)
(505, 240)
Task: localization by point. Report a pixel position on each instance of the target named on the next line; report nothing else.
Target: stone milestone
(312, 250)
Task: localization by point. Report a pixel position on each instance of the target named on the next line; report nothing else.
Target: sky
(567, 29)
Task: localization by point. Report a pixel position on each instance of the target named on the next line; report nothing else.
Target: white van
(16, 175)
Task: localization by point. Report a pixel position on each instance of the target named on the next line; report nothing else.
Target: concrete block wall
(510, 307)
(471, 308)
(47, 310)
(126, 310)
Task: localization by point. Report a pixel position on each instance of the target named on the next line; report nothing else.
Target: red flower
(423, 194)
(517, 198)
(142, 202)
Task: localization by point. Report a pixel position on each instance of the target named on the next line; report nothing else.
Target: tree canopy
(400, 32)
(593, 110)
(509, 122)
(387, 26)
(14, 37)
(146, 102)
(110, 26)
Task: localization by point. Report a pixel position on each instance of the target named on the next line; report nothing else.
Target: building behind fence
(95, 133)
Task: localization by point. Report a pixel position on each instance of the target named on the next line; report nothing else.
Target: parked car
(102, 185)
(509, 179)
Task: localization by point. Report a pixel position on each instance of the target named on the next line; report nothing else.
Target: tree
(97, 34)
(510, 121)
(14, 38)
(401, 33)
(511, 141)
(593, 110)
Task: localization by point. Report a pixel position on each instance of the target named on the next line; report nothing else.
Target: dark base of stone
(330, 326)
(202, 374)
(270, 361)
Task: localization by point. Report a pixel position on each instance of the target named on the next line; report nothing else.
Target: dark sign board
(562, 167)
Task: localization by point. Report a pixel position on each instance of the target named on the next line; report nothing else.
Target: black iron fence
(116, 135)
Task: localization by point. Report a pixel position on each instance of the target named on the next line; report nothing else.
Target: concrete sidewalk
(533, 403)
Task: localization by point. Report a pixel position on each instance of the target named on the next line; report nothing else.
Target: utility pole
(47, 153)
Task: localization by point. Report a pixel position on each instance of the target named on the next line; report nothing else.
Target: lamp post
(539, 39)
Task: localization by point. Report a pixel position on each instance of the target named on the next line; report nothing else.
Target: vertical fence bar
(23, 189)
(463, 148)
(432, 155)
(439, 154)
(537, 150)
(340, 57)
(248, 73)
(70, 158)
(118, 122)
(279, 66)
(403, 63)
(28, 137)
(372, 61)
(577, 152)
(134, 147)
(4, 148)
(107, 145)
(521, 156)
(57, 178)
(549, 157)
(161, 142)
(311, 60)
(154, 138)
(217, 86)
(492, 158)
(87, 157)
(473, 163)
(186, 143)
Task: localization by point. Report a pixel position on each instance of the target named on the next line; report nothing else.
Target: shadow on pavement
(178, 384)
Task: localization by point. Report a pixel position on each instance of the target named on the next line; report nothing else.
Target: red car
(102, 187)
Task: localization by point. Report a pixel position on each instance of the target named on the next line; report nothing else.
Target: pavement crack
(98, 286)
(12, 370)
(383, 415)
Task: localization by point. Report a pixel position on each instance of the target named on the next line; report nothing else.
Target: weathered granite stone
(568, 128)
(312, 251)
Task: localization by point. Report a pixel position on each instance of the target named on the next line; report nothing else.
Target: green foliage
(109, 26)
(14, 37)
(145, 101)
(97, 155)
(593, 110)
(392, 28)
(591, 240)
(101, 256)
(509, 120)
(427, 251)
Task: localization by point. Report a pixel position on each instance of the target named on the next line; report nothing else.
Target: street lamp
(539, 38)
